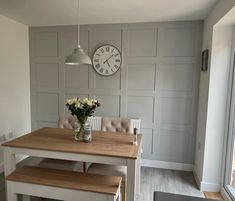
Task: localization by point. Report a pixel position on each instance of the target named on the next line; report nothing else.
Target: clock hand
(106, 61)
(110, 57)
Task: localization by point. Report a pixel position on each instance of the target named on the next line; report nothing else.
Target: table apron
(69, 156)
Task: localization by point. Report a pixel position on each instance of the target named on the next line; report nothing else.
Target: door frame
(229, 139)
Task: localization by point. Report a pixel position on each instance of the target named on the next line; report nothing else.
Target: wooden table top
(67, 179)
(62, 140)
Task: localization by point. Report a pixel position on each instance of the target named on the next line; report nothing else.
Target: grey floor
(171, 181)
(152, 179)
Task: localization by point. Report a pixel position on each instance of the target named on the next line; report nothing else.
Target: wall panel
(47, 75)
(76, 77)
(141, 77)
(141, 107)
(142, 42)
(158, 80)
(46, 44)
(179, 42)
(110, 105)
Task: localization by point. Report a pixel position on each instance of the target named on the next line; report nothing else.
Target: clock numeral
(97, 54)
(101, 70)
(112, 50)
(112, 70)
(106, 72)
(118, 60)
(107, 49)
(102, 50)
(116, 55)
(97, 66)
(116, 66)
(96, 60)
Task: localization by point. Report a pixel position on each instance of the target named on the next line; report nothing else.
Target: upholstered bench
(62, 185)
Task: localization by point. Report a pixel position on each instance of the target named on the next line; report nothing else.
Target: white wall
(213, 99)
(14, 78)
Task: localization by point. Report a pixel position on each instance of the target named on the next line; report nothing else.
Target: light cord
(78, 24)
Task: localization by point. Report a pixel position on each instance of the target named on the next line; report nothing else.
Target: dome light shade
(78, 57)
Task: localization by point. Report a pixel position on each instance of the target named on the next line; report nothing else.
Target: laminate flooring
(152, 179)
(171, 181)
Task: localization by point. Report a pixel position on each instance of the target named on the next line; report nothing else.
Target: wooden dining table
(113, 148)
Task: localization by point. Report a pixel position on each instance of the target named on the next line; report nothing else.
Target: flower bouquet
(82, 109)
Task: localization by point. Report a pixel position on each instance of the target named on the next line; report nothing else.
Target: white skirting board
(206, 186)
(209, 187)
(166, 165)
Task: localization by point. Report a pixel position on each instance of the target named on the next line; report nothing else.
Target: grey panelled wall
(158, 81)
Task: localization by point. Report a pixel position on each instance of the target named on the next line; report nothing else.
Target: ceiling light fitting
(78, 55)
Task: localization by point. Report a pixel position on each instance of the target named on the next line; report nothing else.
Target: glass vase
(87, 137)
(80, 129)
(79, 132)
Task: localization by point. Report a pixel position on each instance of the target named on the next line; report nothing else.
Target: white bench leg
(26, 198)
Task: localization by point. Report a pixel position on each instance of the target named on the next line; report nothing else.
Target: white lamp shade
(78, 57)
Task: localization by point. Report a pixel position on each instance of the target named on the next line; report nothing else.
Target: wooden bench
(62, 185)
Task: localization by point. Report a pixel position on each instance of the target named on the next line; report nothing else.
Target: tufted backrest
(67, 122)
(117, 124)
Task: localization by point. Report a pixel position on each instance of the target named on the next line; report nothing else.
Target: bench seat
(64, 185)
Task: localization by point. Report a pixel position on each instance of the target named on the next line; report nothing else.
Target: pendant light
(78, 55)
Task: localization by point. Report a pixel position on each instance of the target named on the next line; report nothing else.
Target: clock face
(107, 60)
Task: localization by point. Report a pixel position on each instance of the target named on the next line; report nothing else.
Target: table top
(112, 144)
(160, 196)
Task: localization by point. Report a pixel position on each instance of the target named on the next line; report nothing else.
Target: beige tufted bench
(114, 125)
(67, 122)
(117, 124)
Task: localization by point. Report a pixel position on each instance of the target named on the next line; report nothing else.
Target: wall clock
(107, 60)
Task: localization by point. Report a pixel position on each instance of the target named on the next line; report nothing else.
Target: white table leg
(9, 166)
(138, 172)
(131, 180)
(119, 195)
(9, 161)
(11, 196)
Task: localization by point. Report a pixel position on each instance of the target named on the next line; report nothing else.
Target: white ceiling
(64, 12)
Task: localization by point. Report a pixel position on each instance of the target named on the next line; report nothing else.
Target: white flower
(77, 104)
(90, 102)
(85, 100)
(69, 101)
(94, 101)
(75, 100)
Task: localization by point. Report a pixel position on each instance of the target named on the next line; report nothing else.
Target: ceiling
(64, 12)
